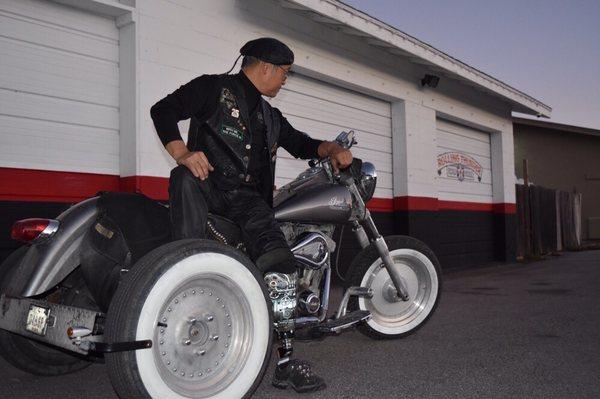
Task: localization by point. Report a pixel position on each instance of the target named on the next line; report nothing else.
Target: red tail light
(28, 230)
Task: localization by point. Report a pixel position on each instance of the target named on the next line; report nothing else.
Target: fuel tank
(320, 203)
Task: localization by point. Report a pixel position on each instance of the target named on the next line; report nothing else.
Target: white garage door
(59, 91)
(463, 163)
(323, 111)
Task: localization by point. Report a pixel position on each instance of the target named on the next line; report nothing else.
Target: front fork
(366, 221)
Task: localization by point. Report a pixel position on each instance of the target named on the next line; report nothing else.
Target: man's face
(274, 77)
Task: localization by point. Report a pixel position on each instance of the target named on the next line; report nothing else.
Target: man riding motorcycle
(228, 166)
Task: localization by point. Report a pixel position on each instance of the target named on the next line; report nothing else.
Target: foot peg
(349, 320)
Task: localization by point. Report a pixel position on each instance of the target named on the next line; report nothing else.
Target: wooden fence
(547, 221)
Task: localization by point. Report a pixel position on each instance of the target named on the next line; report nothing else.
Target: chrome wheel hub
(389, 313)
(199, 345)
(389, 292)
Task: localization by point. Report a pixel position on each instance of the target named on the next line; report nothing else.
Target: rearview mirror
(346, 139)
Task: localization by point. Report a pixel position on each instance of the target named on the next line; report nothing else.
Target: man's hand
(340, 157)
(195, 161)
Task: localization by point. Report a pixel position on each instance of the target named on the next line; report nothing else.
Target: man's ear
(264, 68)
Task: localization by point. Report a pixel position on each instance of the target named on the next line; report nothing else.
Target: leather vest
(226, 139)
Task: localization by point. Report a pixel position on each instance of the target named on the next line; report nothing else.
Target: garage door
(59, 92)
(323, 111)
(463, 163)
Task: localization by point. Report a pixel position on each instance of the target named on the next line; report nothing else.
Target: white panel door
(323, 111)
(59, 88)
(463, 163)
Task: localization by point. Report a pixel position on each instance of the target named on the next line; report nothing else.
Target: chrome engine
(282, 291)
(300, 293)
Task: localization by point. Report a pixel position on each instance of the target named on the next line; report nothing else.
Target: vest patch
(104, 231)
(232, 132)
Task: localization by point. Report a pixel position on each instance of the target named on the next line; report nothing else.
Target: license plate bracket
(37, 320)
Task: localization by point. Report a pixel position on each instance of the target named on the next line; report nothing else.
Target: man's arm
(340, 157)
(182, 104)
(300, 145)
(195, 161)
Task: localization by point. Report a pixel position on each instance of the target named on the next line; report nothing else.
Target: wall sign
(459, 166)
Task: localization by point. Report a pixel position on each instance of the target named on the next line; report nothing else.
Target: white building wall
(59, 88)
(181, 39)
(325, 110)
(165, 43)
(414, 150)
(470, 185)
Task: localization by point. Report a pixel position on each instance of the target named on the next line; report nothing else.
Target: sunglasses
(286, 72)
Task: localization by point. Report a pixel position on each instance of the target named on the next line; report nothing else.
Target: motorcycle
(195, 318)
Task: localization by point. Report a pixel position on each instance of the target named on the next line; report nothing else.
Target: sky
(547, 49)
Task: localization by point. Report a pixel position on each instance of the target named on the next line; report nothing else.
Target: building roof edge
(336, 12)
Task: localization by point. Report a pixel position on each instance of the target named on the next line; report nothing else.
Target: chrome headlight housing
(367, 181)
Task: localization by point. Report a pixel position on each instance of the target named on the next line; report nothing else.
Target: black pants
(191, 199)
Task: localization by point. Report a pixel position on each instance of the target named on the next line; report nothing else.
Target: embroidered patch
(226, 95)
(227, 99)
(104, 231)
(232, 132)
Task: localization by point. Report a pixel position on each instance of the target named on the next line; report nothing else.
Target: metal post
(527, 209)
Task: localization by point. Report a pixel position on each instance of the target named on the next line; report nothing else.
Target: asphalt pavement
(511, 331)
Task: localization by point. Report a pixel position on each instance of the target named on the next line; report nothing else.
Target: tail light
(28, 230)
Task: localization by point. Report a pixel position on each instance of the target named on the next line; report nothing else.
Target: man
(228, 164)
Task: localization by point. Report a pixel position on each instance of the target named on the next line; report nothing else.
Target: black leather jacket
(224, 134)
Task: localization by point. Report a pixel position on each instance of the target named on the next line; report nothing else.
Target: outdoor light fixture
(430, 80)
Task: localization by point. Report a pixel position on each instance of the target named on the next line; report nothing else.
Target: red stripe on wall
(505, 208)
(52, 186)
(415, 204)
(153, 187)
(434, 205)
(381, 205)
(465, 206)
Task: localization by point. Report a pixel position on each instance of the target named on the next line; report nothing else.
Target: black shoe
(298, 375)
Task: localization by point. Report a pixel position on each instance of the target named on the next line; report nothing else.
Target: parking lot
(510, 331)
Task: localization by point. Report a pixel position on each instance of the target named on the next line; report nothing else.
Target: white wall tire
(419, 270)
(204, 290)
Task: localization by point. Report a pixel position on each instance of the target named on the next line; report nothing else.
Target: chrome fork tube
(361, 236)
(366, 220)
(384, 253)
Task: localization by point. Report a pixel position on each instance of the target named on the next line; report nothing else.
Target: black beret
(268, 50)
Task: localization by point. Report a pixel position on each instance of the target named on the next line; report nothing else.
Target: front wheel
(420, 272)
(205, 308)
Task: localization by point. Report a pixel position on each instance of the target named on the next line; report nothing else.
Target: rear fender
(46, 264)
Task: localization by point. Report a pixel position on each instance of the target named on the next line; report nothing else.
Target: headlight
(367, 181)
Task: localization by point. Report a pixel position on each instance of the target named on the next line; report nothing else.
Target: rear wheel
(32, 356)
(419, 270)
(205, 308)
